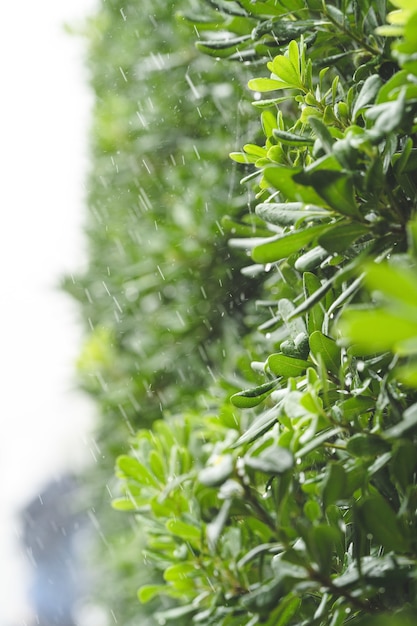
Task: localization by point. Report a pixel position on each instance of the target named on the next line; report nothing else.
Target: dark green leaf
(336, 188)
(404, 463)
(338, 238)
(322, 133)
(407, 424)
(377, 518)
(292, 139)
(334, 484)
(283, 179)
(366, 445)
(252, 397)
(325, 348)
(321, 545)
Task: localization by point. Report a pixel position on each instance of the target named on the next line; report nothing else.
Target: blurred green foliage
(278, 485)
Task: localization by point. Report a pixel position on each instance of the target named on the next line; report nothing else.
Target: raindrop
(142, 120)
(146, 166)
(161, 273)
(123, 74)
(191, 85)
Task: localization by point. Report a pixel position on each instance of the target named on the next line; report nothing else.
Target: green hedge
(280, 488)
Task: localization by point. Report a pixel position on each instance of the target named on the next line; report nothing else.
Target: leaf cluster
(287, 494)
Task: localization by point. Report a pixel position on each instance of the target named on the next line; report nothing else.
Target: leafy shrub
(300, 507)
(282, 492)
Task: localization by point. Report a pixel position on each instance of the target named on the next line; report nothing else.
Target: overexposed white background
(45, 103)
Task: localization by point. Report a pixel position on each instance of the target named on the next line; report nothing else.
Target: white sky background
(44, 120)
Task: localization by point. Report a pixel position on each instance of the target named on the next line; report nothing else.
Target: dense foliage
(281, 489)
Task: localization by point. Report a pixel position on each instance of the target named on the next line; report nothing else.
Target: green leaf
(334, 484)
(316, 442)
(128, 466)
(282, 246)
(292, 139)
(288, 213)
(148, 592)
(408, 424)
(367, 94)
(377, 518)
(377, 330)
(356, 406)
(335, 187)
(321, 544)
(287, 609)
(311, 259)
(252, 397)
(322, 133)
(338, 238)
(287, 366)
(325, 348)
(387, 117)
(223, 47)
(284, 69)
(259, 427)
(274, 460)
(263, 9)
(266, 84)
(184, 531)
(284, 180)
(404, 463)
(265, 597)
(368, 445)
(179, 571)
(398, 283)
(315, 316)
(123, 504)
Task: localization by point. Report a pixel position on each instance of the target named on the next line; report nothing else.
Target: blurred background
(45, 108)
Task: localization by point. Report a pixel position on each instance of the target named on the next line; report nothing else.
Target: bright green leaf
(282, 246)
(287, 366)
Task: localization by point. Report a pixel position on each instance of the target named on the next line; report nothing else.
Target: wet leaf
(252, 397)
